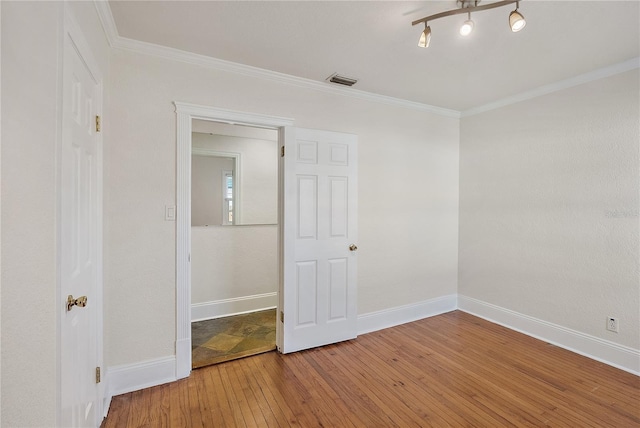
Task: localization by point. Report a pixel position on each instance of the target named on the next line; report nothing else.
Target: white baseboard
(133, 377)
(183, 358)
(622, 357)
(106, 403)
(374, 321)
(235, 306)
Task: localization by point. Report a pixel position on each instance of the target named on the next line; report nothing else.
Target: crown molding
(246, 70)
(591, 76)
(123, 43)
(107, 21)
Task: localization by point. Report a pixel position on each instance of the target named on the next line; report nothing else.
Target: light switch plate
(170, 212)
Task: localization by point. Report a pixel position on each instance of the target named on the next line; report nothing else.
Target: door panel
(338, 285)
(339, 192)
(80, 236)
(307, 207)
(319, 290)
(307, 291)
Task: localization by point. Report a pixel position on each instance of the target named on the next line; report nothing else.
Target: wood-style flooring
(452, 370)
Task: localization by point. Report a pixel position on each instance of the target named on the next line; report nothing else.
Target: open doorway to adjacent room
(234, 241)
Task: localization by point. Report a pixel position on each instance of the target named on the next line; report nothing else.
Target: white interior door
(80, 242)
(318, 301)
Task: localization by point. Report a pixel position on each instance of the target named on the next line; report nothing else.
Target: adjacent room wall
(258, 173)
(408, 204)
(549, 208)
(235, 268)
(206, 188)
(31, 55)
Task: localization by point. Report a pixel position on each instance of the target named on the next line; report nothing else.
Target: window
(227, 196)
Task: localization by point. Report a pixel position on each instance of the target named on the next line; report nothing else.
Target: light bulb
(466, 28)
(516, 21)
(425, 38)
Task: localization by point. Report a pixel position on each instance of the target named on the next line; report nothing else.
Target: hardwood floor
(450, 370)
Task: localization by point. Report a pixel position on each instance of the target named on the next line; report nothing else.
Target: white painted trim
(619, 356)
(145, 374)
(557, 86)
(374, 321)
(133, 377)
(118, 42)
(107, 21)
(106, 405)
(183, 354)
(274, 76)
(183, 241)
(235, 306)
(185, 113)
(232, 117)
(123, 43)
(208, 152)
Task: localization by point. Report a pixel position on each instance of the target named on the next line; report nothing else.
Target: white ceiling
(375, 42)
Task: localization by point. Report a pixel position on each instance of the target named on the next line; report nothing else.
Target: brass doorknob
(80, 302)
(353, 247)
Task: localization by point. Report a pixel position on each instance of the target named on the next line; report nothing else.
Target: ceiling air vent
(341, 80)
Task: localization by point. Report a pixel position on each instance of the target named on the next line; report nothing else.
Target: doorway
(185, 115)
(317, 232)
(234, 241)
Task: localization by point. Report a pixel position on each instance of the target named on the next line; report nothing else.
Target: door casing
(185, 114)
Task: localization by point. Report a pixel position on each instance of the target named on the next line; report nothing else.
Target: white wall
(31, 52)
(206, 188)
(408, 181)
(549, 208)
(232, 262)
(258, 173)
(0, 215)
(28, 212)
(232, 267)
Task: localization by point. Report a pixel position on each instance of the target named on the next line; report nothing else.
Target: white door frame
(185, 114)
(72, 30)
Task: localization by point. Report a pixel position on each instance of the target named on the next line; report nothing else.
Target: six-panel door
(320, 224)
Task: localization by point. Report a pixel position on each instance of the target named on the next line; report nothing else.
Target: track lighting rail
(464, 10)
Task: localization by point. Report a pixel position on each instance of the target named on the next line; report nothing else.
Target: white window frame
(225, 201)
(237, 157)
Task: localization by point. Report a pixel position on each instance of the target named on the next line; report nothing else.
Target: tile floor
(224, 339)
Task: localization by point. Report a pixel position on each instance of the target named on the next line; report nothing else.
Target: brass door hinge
(282, 151)
(282, 316)
(97, 123)
(97, 374)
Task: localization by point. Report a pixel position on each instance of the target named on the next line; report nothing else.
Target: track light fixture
(516, 20)
(425, 37)
(467, 26)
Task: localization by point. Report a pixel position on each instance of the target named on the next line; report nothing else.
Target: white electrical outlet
(612, 324)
